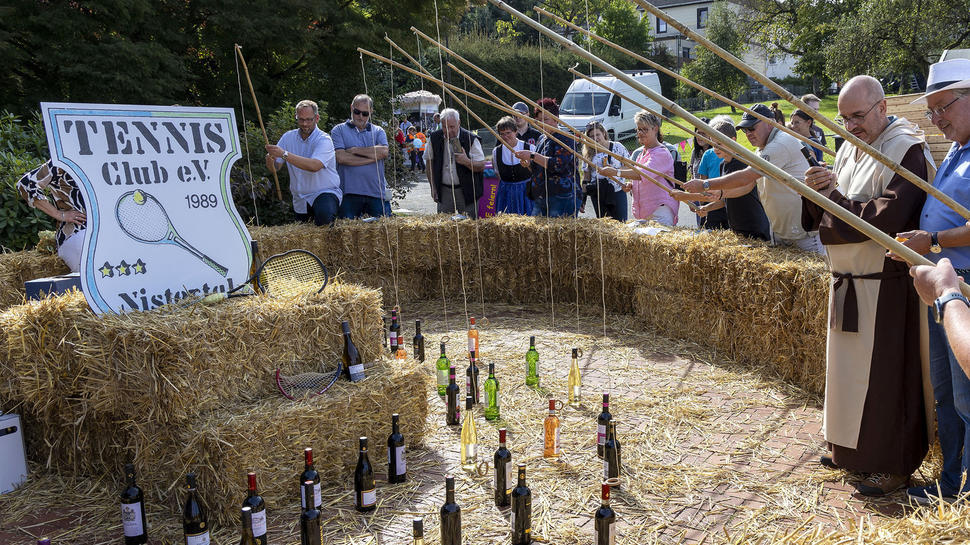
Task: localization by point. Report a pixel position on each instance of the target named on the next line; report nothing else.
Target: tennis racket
(144, 219)
(309, 384)
(296, 272)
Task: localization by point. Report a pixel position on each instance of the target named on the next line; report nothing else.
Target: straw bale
(18, 267)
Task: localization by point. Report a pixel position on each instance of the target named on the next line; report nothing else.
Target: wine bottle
(504, 472)
(353, 366)
(472, 336)
(469, 437)
(417, 531)
(396, 464)
(471, 378)
(133, 510)
(441, 371)
(605, 521)
(521, 511)
(257, 510)
(417, 343)
(247, 526)
(491, 393)
(602, 421)
(453, 415)
(311, 527)
(394, 332)
(310, 474)
(450, 515)
(551, 425)
(532, 364)
(611, 454)
(365, 495)
(195, 521)
(384, 333)
(574, 379)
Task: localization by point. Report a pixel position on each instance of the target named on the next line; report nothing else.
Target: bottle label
(606, 469)
(357, 372)
(393, 339)
(317, 501)
(610, 535)
(509, 477)
(555, 447)
(471, 345)
(197, 539)
(443, 377)
(368, 498)
(131, 519)
(400, 465)
(601, 435)
(512, 519)
(576, 393)
(259, 523)
(471, 451)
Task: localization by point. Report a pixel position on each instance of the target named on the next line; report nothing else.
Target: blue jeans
(323, 210)
(566, 204)
(951, 389)
(355, 206)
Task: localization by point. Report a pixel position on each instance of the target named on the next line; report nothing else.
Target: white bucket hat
(946, 75)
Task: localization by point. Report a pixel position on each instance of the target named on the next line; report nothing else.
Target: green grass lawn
(674, 135)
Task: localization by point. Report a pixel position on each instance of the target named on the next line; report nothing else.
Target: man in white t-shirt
(782, 205)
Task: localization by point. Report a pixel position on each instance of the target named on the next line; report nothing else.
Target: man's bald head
(862, 107)
(869, 86)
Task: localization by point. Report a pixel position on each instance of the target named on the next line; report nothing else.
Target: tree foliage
(710, 70)
(619, 23)
(885, 37)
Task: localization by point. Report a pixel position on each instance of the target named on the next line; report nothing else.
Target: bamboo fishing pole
(785, 94)
(881, 238)
(259, 116)
(688, 81)
(536, 106)
(516, 113)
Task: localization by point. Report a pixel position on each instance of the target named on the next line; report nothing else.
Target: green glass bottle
(491, 394)
(532, 364)
(441, 371)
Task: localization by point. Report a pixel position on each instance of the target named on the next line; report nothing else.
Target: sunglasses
(361, 113)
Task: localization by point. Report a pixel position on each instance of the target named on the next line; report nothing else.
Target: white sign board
(161, 224)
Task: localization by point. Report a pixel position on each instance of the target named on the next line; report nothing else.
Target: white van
(585, 102)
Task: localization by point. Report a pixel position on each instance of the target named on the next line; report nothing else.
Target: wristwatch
(935, 243)
(707, 185)
(532, 156)
(285, 154)
(941, 302)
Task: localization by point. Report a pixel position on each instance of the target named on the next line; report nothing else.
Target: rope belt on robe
(850, 305)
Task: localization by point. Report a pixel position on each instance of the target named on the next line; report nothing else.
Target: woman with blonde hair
(608, 195)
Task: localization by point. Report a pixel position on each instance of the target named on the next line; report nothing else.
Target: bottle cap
(532, 339)
(472, 354)
(472, 320)
(606, 491)
(552, 404)
(575, 352)
(418, 527)
(501, 435)
(363, 443)
(469, 401)
(442, 348)
(190, 480)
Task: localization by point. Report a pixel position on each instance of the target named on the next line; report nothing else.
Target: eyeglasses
(856, 119)
(361, 113)
(644, 130)
(942, 109)
(306, 119)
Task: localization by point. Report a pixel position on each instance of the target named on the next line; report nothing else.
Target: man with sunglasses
(874, 412)
(361, 148)
(309, 157)
(944, 233)
(782, 204)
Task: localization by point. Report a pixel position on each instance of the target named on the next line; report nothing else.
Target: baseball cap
(748, 120)
(521, 107)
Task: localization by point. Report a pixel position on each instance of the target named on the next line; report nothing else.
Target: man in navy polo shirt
(361, 148)
(309, 157)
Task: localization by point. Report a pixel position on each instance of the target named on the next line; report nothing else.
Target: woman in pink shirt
(649, 201)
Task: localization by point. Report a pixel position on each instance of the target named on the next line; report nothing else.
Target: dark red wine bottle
(602, 421)
(353, 365)
(257, 511)
(611, 454)
(311, 529)
(397, 471)
(195, 520)
(365, 493)
(309, 474)
(503, 472)
(605, 521)
(394, 333)
(521, 511)
(471, 378)
(450, 515)
(133, 510)
(246, 516)
(452, 416)
(417, 345)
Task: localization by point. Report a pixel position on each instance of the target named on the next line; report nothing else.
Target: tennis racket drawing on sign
(144, 219)
(292, 273)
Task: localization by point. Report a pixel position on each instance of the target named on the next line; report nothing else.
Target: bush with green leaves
(23, 147)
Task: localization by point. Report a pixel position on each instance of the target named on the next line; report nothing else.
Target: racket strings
(146, 220)
(292, 274)
(302, 384)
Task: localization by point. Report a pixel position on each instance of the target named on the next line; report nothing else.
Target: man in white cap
(874, 420)
(526, 132)
(944, 233)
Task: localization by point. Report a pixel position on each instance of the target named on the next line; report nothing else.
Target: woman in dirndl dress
(514, 174)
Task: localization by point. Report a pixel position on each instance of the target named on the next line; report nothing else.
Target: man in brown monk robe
(874, 419)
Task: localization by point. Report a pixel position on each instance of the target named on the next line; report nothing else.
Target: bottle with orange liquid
(473, 337)
(550, 447)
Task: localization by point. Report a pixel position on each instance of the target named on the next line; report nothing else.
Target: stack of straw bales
(183, 389)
